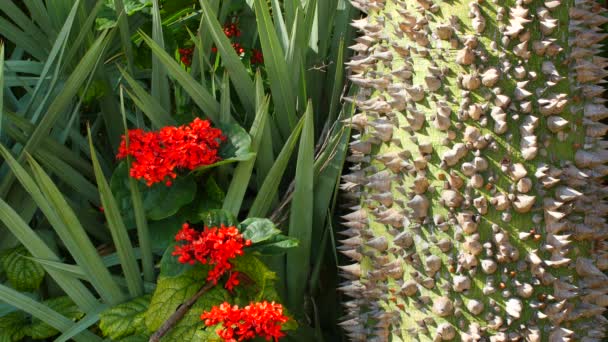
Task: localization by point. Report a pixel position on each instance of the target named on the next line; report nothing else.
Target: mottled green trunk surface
(478, 208)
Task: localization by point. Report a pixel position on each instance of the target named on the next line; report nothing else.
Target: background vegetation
(82, 245)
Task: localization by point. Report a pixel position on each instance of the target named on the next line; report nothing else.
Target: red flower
(213, 246)
(256, 319)
(232, 30)
(186, 55)
(238, 48)
(232, 281)
(158, 154)
(256, 57)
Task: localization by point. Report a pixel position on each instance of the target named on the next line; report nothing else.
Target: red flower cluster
(186, 55)
(232, 30)
(256, 319)
(213, 246)
(256, 57)
(157, 155)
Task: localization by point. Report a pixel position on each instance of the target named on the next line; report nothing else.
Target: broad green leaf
(200, 95)
(135, 338)
(170, 267)
(170, 293)
(160, 201)
(232, 62)
(120, 236)
(276, 245)
(211, 196)
(236, 147)
(263, 201)
(23, 273)
(258, 230)
(300, 218)
(13, 326)
(125, 319)
(261, 283)
(39, 330)
(190, 327)
(278, 70)
(162, 233)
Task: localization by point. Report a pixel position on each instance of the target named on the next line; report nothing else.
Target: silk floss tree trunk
(476, 172)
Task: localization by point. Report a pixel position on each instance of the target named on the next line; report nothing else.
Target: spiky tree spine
(476, 187)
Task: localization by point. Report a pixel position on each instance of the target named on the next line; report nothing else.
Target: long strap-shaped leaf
(61, 102)
(300, 218)
(1, 86)
(91, 318)
(147, 103)
(43, 312)
(242, 173)
(79, 294)
(72, 287)
(278, 71)
(197, 92)
(117, 229)
(70, 230)
(143, 233)
(160, 82)
(262, 203)
(238, 74)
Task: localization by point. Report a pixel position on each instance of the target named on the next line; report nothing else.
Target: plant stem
(179, 313)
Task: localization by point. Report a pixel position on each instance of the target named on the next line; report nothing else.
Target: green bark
(478, 206)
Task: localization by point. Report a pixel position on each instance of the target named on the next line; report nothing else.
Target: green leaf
(237, 146)
(162, 232)
(262, 203)
(276, 245)
(147, 103)
(300, 218)
(200, 95)
(189, 327)
(119, 232)
(24, 274)
(278, 71)
(12, 326)
(211, 196)
(107, 17)
(171, 268)
(258, 230)
(232, 62)
(217, 217)
(261, 283)
(125, 319)
(160, 201)
(43, 312)
(135, 338)
(39, 330)
(242, 173)
(170, 293)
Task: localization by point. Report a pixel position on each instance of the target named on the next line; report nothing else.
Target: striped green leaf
(300, 218)
(117, 229)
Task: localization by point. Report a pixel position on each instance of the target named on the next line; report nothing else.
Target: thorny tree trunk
(478, 208)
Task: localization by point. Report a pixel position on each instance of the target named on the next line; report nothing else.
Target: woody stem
(179, 313)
